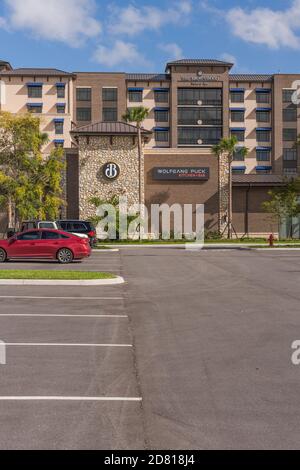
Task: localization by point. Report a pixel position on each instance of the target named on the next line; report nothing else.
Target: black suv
(80, 227)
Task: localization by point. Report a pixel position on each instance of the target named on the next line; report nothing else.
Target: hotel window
(289, 135)
(263, 155)
(61, 108)
(161, 115)
(59, 126)
(237, 96)
(237, 115)
(239, 134)
(83, 114)
(61, 90)
(135, 96)
(200, 96)
(290, 171)
(199, 135)
(200, 116)
(287, 96)
(110, 114)
(263, 170)
(162, 135)
(161, 96)
(238, 170)
(263, 115)
(59, 143)
(238, 154)
(35, 90)
(110, 94)
(290, 155)
(289, 114)
(83, 94)
(263, 135)
(263, 96)
(35, 108)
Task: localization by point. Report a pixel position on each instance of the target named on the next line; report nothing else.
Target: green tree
(227, 147)
(137, 116)
(284, 202)
(30, 186)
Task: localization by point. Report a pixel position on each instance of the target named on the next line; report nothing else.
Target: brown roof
(250, 77)
(259, 180)
(108, 128)
(151, 77)
(199, 62)
(37, 71)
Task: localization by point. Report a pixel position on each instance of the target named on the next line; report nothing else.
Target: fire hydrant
(271, 240)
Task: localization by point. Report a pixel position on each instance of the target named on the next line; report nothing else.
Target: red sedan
(45, 244)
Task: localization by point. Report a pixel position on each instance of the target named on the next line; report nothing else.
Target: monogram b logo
(111, 171)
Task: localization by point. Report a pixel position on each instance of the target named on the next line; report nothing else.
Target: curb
(57, 282)
(99, 250)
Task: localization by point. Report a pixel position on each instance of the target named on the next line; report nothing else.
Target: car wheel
(3, 256)
(65, 256)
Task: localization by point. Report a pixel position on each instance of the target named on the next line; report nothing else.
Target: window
(78, 226)
(263, 97)
(200, 96)
(290, 171)
(289, 135)
(162, 136)
(238, 154)
(287, 96)
(263, 136)
(59, 127)
(263, 116)
(110, 114)
(199, 135)
(198, 116)
(290, 155)
(59, 143)
(237, 116)
(84, 114)
(35, 91)
(263, 155)
(84, 94)
(161, 96)
(61, 108)
(29, 236)
(237, 97)
(289, 114)
(135, 96)
(35, 109)
(239, 134)
(110, 94)
(161, 116)
(61, 91)
(50, 236)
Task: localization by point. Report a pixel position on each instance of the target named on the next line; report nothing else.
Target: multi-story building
(191, 107)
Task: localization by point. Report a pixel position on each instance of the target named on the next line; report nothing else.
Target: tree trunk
(9, 213)
(230, 202)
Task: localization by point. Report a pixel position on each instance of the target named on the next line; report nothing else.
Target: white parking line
(32, 297)
(76, 345)
(13, 398)
(57, 315)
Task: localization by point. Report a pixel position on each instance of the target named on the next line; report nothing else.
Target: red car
(45, 244)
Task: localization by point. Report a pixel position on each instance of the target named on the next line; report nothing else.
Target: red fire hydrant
(271, 240)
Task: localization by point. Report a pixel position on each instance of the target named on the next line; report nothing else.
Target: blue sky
(96, 35)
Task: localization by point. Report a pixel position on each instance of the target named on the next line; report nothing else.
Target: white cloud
(172, 49)
(121, 53)
(228, 58)
(132, 20)
(273, 28)
(68, 21)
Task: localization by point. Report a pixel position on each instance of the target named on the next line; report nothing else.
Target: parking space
(70, 380)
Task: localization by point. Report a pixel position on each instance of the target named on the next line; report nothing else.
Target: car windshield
(46, 225)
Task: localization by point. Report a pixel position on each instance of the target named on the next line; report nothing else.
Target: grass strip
(54, 275)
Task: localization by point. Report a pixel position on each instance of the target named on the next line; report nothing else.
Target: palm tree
(228, 147)
(138, 115)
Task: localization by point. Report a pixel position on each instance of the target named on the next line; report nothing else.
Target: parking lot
(193, 351)
(70, 380)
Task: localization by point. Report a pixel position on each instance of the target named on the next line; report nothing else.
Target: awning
(264, 129)
(264, 149)
(161, 109)
(135, 89)
(59, 141)
(238, 129)
(263, 168)
(239, 167)
(238, 109)
(34, 84)
(237, 90)
(34, 105)
(161, 129)
(263, 90)
(59, 120)
(60, 85)
(161, 89)
(263, 109)
(61, 105)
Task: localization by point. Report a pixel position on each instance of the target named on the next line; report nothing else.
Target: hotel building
(191, 107)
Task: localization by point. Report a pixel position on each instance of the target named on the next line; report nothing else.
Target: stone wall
(223, 192)
(94, 152)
